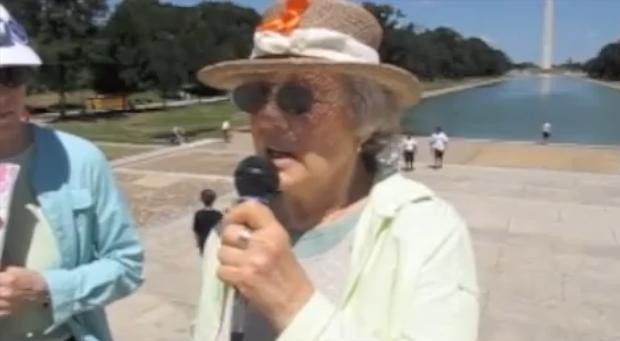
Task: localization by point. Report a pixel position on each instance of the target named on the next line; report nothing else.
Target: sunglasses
(292, 98)
(13, 77)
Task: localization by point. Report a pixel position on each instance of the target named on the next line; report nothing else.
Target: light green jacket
(412, 277)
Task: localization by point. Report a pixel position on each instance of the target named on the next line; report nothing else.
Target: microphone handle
(240, 305)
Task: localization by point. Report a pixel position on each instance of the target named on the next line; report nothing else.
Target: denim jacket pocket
(81, 199)
(82, 205)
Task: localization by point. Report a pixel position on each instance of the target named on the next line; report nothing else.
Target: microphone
(256, 178)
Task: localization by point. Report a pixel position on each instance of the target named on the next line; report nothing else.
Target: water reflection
(580, 111)
(545, 85)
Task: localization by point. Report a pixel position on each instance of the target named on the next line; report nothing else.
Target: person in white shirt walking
(409, 146)
(546, 132)
(226, 131)
(439, 143)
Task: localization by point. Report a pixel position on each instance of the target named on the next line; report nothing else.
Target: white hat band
(314, 42)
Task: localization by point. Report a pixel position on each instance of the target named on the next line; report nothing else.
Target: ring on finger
(243, 238)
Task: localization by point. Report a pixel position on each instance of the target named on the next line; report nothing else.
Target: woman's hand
(257, 259)
(19, 286)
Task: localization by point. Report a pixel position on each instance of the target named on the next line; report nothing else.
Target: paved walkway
(547, 241)
(609, 84)
(219, 158)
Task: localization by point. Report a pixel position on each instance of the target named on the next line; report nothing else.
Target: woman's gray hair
(378, 124)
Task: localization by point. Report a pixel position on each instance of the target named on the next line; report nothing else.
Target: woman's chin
(291, 181)
(286, 181)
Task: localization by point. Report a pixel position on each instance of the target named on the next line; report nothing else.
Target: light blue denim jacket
(101, 256)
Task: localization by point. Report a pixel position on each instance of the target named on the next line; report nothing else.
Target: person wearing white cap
(70, 243)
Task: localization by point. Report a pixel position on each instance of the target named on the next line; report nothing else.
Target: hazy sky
(582, 27)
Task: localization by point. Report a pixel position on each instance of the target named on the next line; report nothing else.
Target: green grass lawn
(154, 126)
(117, 152)
(148, 96)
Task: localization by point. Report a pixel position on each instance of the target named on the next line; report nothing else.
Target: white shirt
(225, 125)
(439, 141)
(546, 127)
(410, 144)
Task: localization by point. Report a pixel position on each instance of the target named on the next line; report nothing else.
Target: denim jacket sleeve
(116, 270)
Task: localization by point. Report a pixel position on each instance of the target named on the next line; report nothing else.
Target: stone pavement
(548, 250)
(547, 243)
(529, 155)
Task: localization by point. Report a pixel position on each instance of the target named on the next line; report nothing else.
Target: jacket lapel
(385, 200)
(49, 177)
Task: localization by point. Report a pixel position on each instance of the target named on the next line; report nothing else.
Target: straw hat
(334, 36)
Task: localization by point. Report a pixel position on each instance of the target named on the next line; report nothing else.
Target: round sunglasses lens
(295, 99)
(250, 97)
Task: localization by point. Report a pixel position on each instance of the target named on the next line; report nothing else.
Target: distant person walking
(178, 135)
(439, 143)
(226, 131)
(546, 132)
(409, 146)
(206, 218)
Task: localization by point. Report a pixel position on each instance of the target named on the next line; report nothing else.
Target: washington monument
(547, 42)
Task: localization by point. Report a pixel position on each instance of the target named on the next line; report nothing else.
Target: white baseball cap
(14, 49)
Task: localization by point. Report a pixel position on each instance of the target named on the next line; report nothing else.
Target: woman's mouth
(275, 154)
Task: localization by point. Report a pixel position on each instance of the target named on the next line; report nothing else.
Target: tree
(525, 66)
(430, 54)
(570, 65)
(606, 65)
(217, 31)
(167, 65)
(120, 59)
(151, 45)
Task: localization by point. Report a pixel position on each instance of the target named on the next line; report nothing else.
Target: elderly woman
(70, 247)
(349, 249)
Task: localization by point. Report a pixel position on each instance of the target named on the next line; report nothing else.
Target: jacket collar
(392, 193)
(386, 199)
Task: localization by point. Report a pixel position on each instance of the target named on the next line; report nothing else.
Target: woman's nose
(270, 123)
(270, 117)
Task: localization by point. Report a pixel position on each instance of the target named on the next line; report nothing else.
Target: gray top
(324, 253)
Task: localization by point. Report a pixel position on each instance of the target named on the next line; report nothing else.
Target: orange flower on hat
(288, 19)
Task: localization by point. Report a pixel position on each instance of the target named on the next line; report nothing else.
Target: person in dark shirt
(206, 218)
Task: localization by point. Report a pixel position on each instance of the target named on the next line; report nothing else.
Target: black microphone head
(257, 177)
